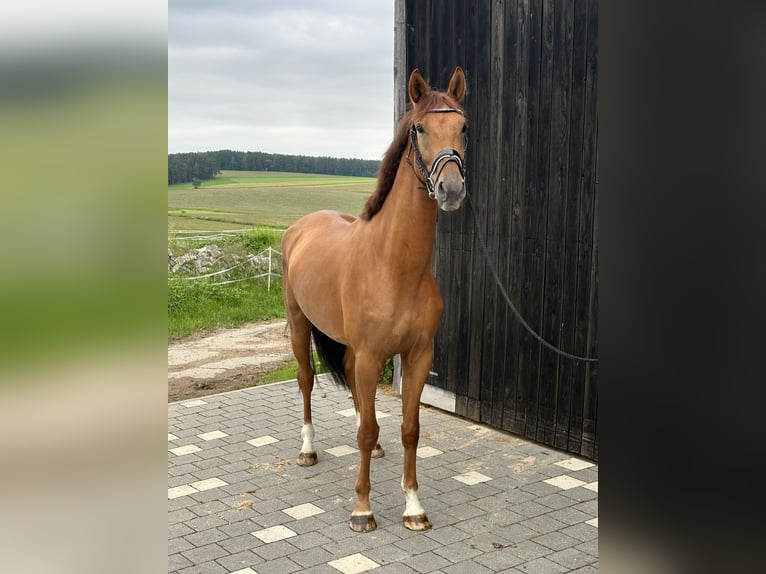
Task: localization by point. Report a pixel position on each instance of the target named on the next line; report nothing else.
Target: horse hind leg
(300, 338)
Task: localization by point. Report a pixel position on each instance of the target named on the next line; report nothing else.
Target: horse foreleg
(350, 367)
(366, 373)
(414, 378)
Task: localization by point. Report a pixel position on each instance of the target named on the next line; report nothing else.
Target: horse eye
(420, 128)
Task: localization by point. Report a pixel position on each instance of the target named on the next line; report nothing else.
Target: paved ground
(238, 502)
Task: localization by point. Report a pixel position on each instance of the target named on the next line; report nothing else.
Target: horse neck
(407, 226)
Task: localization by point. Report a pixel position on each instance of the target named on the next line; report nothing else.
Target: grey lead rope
(492, 269)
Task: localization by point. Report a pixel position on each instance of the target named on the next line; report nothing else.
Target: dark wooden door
(531, 103)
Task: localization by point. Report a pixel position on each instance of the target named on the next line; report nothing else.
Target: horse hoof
(362, 523)
(417, 523)
(377, 452)
(307, 459)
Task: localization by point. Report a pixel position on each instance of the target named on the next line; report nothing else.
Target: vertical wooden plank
(481, 116)
(452, 31)
(556, 221)
(498, 222)
(517, 47)
(535, 213)
(401, 73)
(572, 246)
(585, 389)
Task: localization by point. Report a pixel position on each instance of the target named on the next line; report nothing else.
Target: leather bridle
(445, 156)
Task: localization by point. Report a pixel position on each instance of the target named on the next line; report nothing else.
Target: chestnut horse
(364, 286)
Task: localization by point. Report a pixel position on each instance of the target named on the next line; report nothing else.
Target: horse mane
(393, 156)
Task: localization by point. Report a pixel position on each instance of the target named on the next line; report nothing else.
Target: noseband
(442, 158)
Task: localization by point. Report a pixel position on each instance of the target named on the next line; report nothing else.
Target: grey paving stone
(414, 545)
(178, 529)
(427, 562)
(458, 552)
(528, 550)
(308, 540)
(176, 545)
(240, 560)
(556, 540)
(240, 542)
(589, 547)
(555, 501)
(205, 568)
(206, 537)
(499, 560)
(275, 550)
(181, 515)
(322, 569)
(581, 531)
(205, 522)
(543, 523)
(541, 566)
(312, 557)
(570, 515)
(177, 562)
(531, 509)
(590, 569)
(447, 535)
(279, 566)
(467, 567)
(589, 507)
(571, 558)
(202, 554)
(395, 568)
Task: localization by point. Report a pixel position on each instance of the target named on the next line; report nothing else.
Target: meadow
(254, 207)
(246, 199)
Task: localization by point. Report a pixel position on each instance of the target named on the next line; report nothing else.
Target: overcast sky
(281, 76)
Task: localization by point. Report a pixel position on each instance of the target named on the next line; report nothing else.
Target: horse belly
(315, 250)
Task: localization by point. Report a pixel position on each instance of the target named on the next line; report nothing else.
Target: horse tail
(331, 356)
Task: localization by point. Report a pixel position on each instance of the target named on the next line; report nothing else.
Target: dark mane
(393, 156)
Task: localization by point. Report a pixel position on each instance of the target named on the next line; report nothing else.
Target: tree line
(185, 167)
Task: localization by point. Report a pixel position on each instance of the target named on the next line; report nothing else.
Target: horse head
(438, 138)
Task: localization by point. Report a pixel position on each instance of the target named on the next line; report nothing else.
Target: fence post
(268, 281)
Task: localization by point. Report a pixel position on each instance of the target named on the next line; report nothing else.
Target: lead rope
(492, 269)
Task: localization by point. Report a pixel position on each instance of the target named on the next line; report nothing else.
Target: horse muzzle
(446, 182)
(449, 194)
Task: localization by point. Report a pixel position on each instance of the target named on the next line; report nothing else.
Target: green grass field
(263, 203)
(240, 199)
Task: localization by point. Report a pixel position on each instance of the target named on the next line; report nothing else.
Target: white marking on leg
(307, 434)
(412, 506)
(365, 513)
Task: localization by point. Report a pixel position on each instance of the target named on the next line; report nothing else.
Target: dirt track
(226, 359)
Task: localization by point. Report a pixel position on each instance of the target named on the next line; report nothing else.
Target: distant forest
(184, 167)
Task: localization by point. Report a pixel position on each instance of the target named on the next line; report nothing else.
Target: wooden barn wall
(531, 68)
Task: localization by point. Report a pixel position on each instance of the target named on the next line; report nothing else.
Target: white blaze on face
(307, 434)
(412, 506)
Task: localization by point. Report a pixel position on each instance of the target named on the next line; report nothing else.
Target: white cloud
(312, 78)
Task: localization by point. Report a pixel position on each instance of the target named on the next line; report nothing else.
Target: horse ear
(457, 85)
(417, 86)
